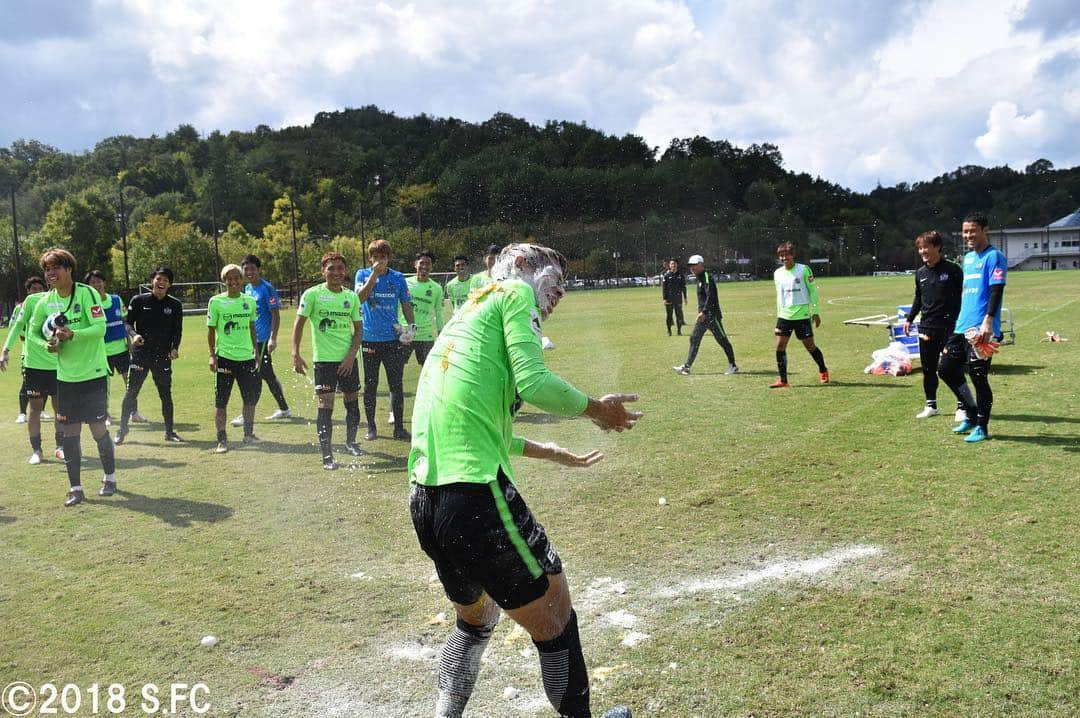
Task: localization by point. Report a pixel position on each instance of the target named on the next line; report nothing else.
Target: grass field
(820, 553)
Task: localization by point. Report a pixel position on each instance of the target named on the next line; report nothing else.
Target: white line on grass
(780, 571)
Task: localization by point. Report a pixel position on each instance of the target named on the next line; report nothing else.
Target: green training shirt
(332, 316)
(487, 354)
(427, 303)
(81, 358)
(232, 318)
(36, 354)
(457, 291)
(796, 295)
(480, 280)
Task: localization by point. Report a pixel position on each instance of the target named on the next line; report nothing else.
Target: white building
(1056, 246)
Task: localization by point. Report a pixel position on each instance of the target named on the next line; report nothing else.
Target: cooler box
(896, 331)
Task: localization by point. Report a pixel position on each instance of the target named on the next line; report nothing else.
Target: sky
(859, 93)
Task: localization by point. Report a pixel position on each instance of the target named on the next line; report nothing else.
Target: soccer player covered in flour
(796, 308)
(230, 335)
(489, 551)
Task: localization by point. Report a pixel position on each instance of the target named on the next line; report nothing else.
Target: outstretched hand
(608, 412)
(561, 456)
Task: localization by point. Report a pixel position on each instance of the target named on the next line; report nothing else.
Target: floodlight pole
(122, 217)
(15, 241)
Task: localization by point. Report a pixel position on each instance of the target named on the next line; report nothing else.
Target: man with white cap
(709, 318)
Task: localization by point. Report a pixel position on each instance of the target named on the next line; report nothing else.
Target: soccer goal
(193, 295)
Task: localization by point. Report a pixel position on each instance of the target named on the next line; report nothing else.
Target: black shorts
(78, 401)
(244, 374)
(327, 380)
(39, 383)
(802, 327)
(461, 527)
(119, 363)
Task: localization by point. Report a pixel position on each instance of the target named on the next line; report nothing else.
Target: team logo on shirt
(943, 277)
(97, 312)
(77, 309)
(345, 304)
(229, 327)
(999, 273)
(166, 310)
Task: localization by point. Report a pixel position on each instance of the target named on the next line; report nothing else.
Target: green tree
(85, 225)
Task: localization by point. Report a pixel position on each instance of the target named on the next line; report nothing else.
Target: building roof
(1069, 220)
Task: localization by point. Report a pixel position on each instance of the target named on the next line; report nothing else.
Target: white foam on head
(779, 571)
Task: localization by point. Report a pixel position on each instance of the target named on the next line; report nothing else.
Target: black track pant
(714, 325)
(266, 372)
(957, 356)
(929, 355)
(162, 372)
(393, 357)
(676, 309)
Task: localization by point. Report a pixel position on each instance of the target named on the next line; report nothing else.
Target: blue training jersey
(381, 307)
(266, 301)
(114, 323)
(981, 271)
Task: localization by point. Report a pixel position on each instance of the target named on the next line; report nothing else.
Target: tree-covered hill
(611, 204)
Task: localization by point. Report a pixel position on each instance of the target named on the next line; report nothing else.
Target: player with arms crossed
(336, 333)
(489, 551)
(72, 320)
(979, 322)
(796, 307)
(230, 334)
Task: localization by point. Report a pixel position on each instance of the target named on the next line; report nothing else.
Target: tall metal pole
(362, 240)
(15, 240)
(217, 252)
(123, 240)
(295, 253)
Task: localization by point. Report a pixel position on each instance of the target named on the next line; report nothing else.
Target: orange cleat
(824, 377)
(779, 384)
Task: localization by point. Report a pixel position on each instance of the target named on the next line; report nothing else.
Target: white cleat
(20, 419)
(238, 421)
(927, 412)
(279, 414)
(35, 458)
(45, 417)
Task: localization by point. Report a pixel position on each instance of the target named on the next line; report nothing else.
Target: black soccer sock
(932, 403)
(23, 401)
(106, 453)
(459, 666)
(562, 667)
(221, 437)
(984, 397)
(249, 426)
(324, 427)
(167, 412)
(819, 358)
(781, 365)
(35, 443)
(58, 437)
(73, 458)
(352, 420)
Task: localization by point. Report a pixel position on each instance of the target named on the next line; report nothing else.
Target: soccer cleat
(137, 418)
(824, 376)
(108, 488)
(20, 419)
(173, 438)
(250, 438)
(964, 427)
(221, 448)
(35, 458)
(120, 436)
(979, 434)
(402, 435)
(59, 453)
(74, 497)
(371, 434)
(238, 421)
(280, 414)
(353, 449)
(682, 369)
(779, 384)
(617, 712)
(45, 417)
(960, 415)
(732, 369)
(329, 464)
(927, 412)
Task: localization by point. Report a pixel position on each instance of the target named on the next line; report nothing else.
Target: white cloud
(852, 91)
